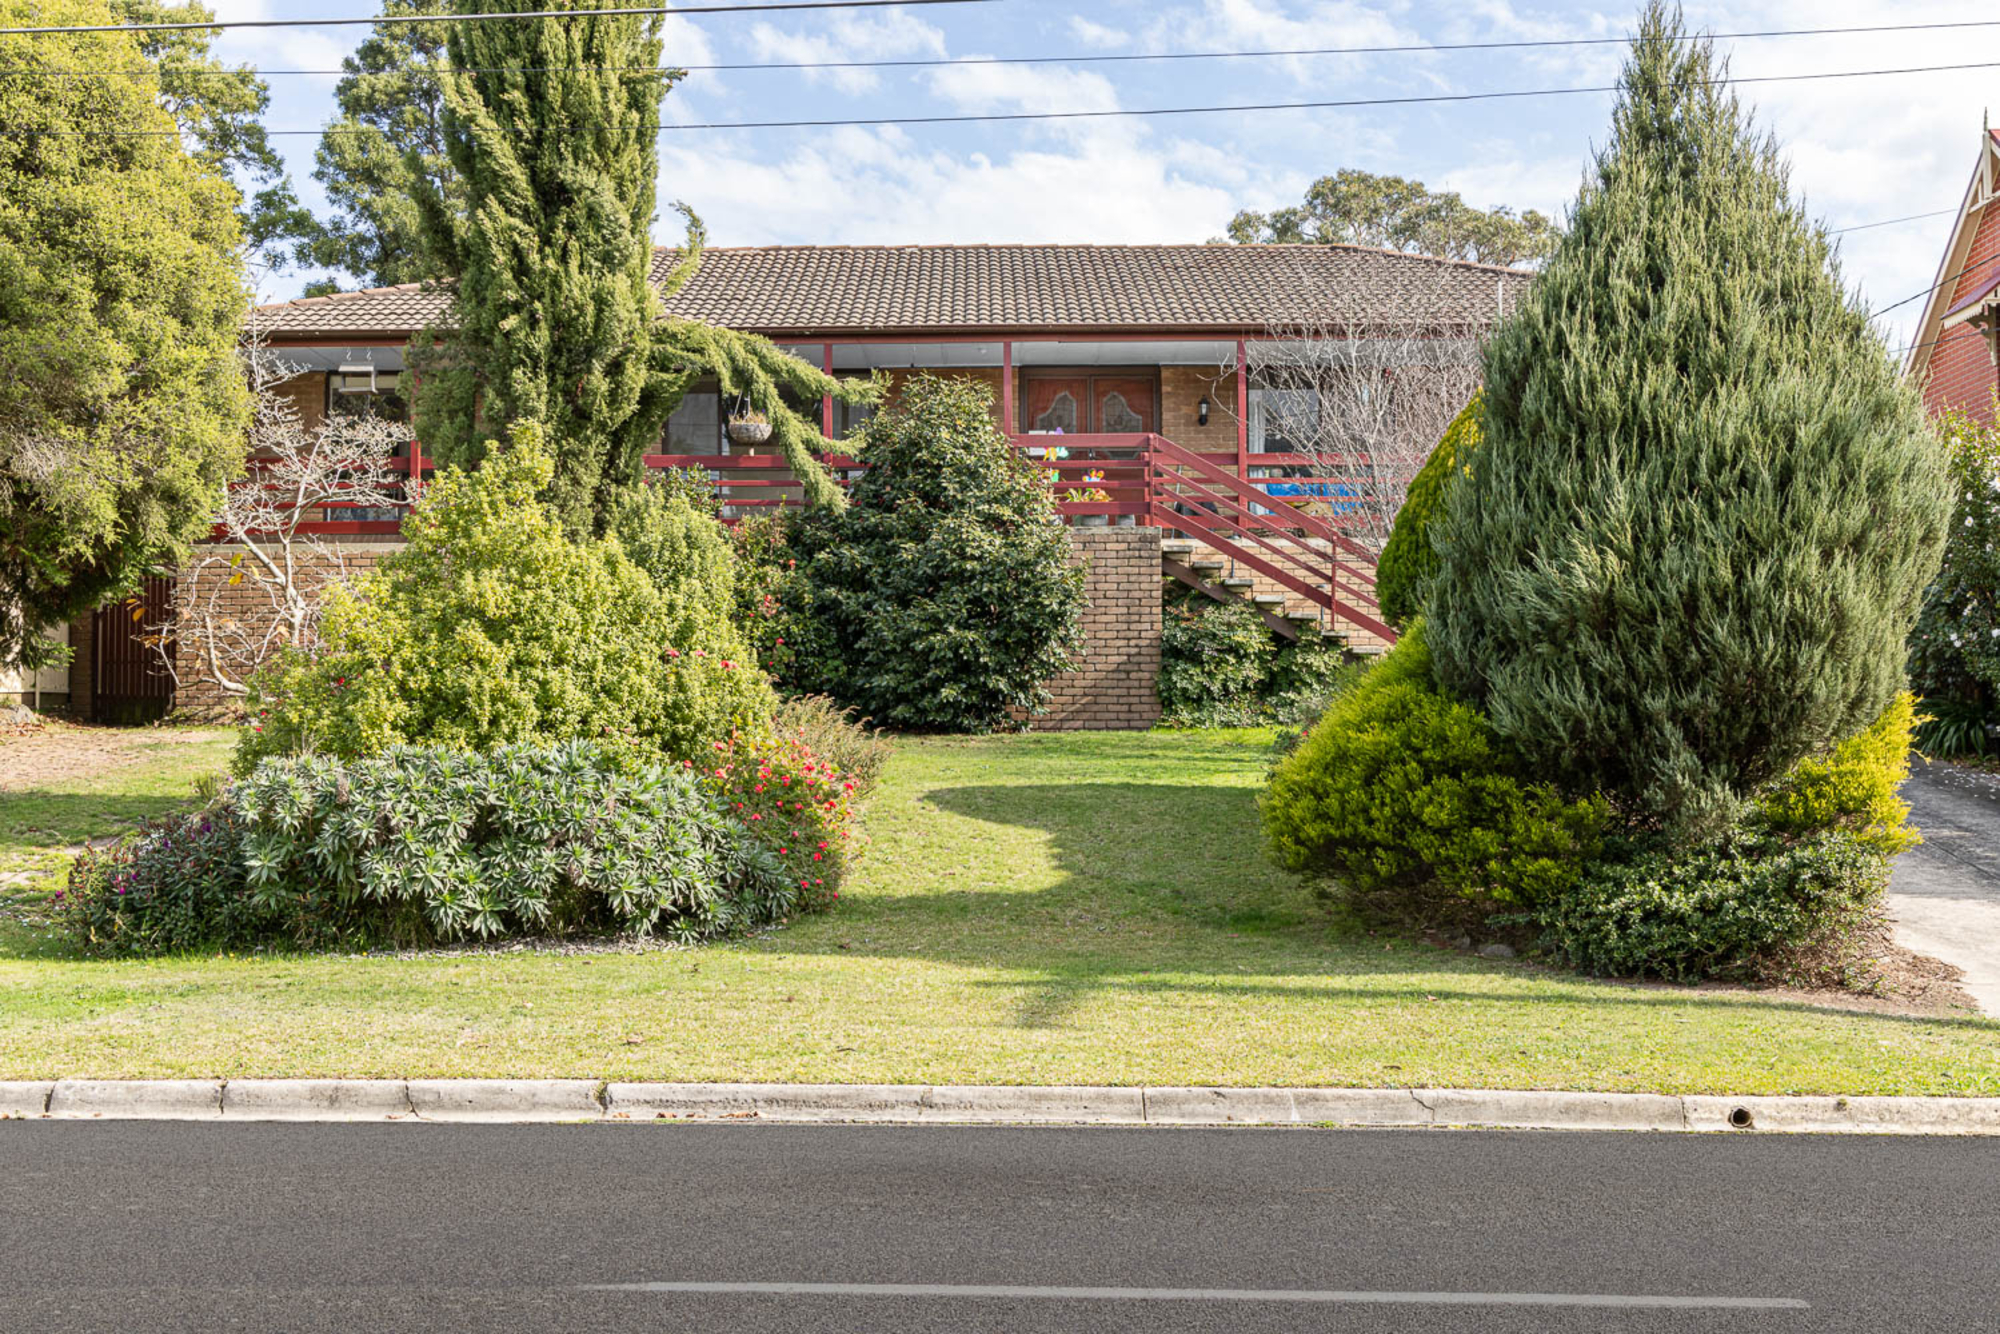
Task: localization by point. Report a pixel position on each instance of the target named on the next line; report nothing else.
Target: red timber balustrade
(1144, 479)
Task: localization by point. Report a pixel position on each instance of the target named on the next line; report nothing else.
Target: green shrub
(1955, 647)
(1704, 504)
(1399, 791)
(836, 736)
(1222, 666)
(1739, 908)
(1853, 789)
(1215, 661)
(1408, 558)
(177, 884)
(769, 595)
(492, 627)
(421, 845)
(1955, 729)
(944, 597)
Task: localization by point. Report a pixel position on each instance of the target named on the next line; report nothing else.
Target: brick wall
(1960, 371)
(250, 603)
(1181, 390)
(1116, 686)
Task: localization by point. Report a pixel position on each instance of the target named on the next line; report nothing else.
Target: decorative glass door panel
(1121, 404)
(1057, 404)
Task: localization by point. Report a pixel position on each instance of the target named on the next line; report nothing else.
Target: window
(362, 390)
(1283, 421)
(696, 425)
(1060, 415)
(849, 418)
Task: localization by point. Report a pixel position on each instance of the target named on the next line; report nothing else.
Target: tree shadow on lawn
(1159, 888)
(38, 819)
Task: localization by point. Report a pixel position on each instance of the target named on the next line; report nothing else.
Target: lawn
(1040, 909)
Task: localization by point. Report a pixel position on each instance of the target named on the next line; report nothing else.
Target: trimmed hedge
(1739, 908)
(1399, 788)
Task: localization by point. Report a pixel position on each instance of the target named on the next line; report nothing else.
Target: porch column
(1242, 411)
(826, 400)
(1007, 388)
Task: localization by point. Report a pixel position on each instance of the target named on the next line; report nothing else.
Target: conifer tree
(1694, 535)
(542, 226)
(551, 124)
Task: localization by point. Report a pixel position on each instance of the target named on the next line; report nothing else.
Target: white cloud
(1096, 34)
(875, 35)
(1009, 88)
(1109, 183)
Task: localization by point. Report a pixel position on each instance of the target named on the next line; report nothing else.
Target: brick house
(1956, 351)
(1120, 368)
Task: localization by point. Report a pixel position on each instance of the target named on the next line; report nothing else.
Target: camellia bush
(1704, 505)
(944, 597)
(494, 627)
(1955, 648)
(424, 845)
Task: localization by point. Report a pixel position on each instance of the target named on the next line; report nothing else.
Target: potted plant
(749, 427)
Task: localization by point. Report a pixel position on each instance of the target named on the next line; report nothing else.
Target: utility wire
(216, 25)
(995, 116)
(1116, 58)
(1890, 222)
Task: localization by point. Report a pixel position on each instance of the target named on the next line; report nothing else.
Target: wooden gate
(128, 683)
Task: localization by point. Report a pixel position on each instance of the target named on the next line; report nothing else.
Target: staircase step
(1269, 599)
(1238, 582)
(1205, 565)
(1176, 549)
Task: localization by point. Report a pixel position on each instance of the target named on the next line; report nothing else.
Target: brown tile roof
(886, 289)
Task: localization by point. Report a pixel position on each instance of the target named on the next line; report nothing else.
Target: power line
(997, 116)
(217, 25)
(1948, 278)
(931, 62)
(1890, 222)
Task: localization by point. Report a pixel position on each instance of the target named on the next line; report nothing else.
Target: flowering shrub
(1955, 648)
(421, 845)
(795, 802)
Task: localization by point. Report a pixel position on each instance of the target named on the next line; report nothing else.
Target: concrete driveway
(1945, 893)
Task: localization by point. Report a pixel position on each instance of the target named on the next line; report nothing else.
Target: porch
(1134, 431)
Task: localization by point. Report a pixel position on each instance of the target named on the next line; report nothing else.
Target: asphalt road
(172, 1226)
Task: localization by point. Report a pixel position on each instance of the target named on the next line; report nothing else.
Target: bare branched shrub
(294, 473)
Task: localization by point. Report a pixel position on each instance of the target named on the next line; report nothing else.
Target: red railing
(1142, 478)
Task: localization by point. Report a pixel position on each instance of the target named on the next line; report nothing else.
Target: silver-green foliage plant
(421, 845)
(493, 627)
(1694, 536)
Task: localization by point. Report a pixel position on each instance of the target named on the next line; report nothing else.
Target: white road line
(1023, 1293)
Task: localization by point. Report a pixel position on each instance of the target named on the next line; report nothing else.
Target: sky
(1862, 150)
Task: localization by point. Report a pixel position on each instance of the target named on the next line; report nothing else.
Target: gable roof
(1955, 286)
(830, 290)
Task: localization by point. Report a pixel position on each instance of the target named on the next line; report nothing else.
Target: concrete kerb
(518, 1100)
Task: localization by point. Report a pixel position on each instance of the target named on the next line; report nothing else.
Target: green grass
(152, 778)
(1089, 909)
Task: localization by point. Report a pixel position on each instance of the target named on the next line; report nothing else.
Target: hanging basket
(749, 432)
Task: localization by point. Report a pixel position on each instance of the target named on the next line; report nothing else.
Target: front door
(1116, 403)
(1058, 403)
(1121, 404)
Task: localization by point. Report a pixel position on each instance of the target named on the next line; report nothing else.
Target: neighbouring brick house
(1121, 368)
(1955, 353)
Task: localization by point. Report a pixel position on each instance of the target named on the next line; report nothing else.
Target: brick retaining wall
(1117, 683)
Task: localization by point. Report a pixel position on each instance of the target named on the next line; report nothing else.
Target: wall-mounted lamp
(1201, 413)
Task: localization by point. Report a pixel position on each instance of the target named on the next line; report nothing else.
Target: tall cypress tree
(551, 124)
(1695, 534)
